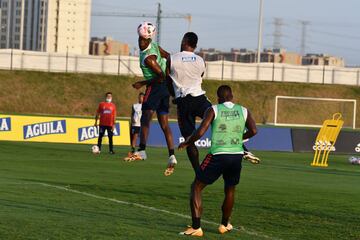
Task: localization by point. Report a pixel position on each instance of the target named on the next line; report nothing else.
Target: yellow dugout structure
(326, 139)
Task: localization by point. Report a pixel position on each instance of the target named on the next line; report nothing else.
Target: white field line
(68, 189)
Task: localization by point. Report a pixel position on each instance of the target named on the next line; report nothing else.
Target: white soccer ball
(95, 149)
(354, 160)
(146, 30)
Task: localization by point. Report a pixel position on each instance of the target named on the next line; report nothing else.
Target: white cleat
(248, 156)
(171, 166)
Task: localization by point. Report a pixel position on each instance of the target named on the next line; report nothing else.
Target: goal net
(311, 112)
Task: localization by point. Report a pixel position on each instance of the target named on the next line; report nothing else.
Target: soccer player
(186, 70)
(107, 113)
(156, 99)
(135, 121)
(228, 122)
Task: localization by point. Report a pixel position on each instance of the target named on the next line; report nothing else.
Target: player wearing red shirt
(107, 113)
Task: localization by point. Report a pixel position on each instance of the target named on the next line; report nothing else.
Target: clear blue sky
(334, 27)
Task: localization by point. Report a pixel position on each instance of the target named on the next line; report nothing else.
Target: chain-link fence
(218, 70)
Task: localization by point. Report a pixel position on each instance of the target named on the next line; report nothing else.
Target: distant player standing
(156, 99)
(228, 122)
(107, 113)
(186, 71)
(136, 113)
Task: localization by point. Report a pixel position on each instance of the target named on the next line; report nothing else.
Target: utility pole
(304, 25)
(158, 23)
(278, 23)
(260, 31)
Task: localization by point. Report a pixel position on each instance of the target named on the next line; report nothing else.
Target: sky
(334, 25)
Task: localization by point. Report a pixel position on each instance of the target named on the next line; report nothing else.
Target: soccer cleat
(111, 152)
(128, 157)
(248, 156)
(171, 166)
(136, 156)
(224, 229)
(193, 232)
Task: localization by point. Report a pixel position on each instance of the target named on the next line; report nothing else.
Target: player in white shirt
(186, 70)
(136, 113)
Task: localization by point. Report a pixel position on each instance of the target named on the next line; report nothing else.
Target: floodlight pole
(260, 31)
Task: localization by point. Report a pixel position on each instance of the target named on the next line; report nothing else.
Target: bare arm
(114, 118)
(251, 127)
(204, 126)
(163, 53)
(97, 114)
(168, 78)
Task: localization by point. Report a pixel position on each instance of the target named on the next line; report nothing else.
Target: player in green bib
(156, 99)
(228, 123)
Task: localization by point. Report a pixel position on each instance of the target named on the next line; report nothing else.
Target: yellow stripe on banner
(57, 130)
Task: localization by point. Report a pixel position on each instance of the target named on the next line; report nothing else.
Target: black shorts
(213, 166)
(156, 99)
(135, 129)
(188, 108)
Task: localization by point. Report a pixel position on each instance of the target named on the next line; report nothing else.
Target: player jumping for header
(156, 99)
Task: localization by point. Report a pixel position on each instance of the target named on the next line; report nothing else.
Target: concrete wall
(55, 62)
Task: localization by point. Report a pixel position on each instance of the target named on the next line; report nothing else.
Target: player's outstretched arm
(204, 126)
(251, 127)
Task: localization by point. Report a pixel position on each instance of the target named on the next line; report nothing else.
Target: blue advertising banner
(267, 139)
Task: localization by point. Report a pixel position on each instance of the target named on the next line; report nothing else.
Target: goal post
(311, 111)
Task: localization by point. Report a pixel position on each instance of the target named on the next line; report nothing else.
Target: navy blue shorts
(135, 129)
(188, 108)
(156, 99)
(213, 166)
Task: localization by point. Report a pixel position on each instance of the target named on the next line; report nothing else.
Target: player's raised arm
(204, 126)
(251, 127)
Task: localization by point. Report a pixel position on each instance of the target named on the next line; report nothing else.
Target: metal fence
(218, 70)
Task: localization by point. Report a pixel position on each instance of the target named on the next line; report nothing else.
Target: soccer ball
(95, 149)
(146, 30)
(354, 160)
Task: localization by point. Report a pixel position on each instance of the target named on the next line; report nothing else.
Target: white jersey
(136, 117)
(186, 71)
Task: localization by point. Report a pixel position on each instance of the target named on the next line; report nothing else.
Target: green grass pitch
(61, 191)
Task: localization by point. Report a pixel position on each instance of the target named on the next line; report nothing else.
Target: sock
(171, 152)
(142, 147)
(224, 221)
(195, 223)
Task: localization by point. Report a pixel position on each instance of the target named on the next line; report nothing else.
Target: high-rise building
(45, 25)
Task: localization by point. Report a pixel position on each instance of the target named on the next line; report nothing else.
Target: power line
(335, 34)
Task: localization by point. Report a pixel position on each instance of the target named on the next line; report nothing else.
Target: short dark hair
(191, 39)
(224, 92)
(141, 94)
(108, 93)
